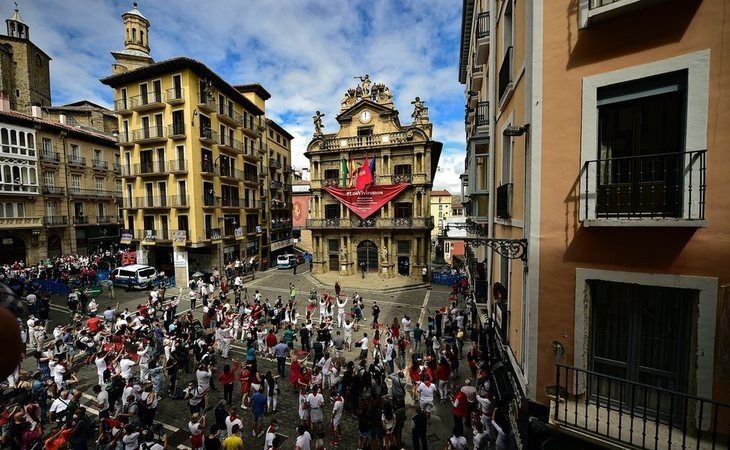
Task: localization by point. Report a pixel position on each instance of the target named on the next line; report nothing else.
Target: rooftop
(440, 193)
(83, 133)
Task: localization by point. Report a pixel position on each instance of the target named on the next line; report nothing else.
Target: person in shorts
(316, 402)
(426, 391)
(258, 409)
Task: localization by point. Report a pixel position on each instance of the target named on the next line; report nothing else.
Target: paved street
(272, 283)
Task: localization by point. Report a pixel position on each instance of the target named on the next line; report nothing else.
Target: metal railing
(54, 190)
(372, 222)
(19, 188)
(205, 101)
(152, 132)
(636, 414)
(482, 25)
(150, 98)
(211, 200)
(669, 185)
(90, 193)
(103, 220)
(504, 201)
(175, 94)
(154, 201)
(177, 165)
(278, 224)
(208, 135)
(225, 112)
(482, 117)
(213, 233)
(50, 156)
(505, 72)
(276, 184)
(150, 168)
(76, 160)
(117, 167)
(55, 221)
(251, 177)
(229, 142)
(99, 164)
(599, 3)
(230, 173)
(365, 141)
(179, 201)
(152, 235)
(176, 129)
(208, 168)
(230, 202)
(274, 164)
(81, 220)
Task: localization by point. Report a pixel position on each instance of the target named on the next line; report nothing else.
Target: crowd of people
(153, 353)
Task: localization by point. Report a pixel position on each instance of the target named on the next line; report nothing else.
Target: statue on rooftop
(317, 118)
(365, 83)
(419, 110)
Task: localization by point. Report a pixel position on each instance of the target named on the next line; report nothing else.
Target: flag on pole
(344, 172)
(353, 172)
(372, 168)
(364, 177)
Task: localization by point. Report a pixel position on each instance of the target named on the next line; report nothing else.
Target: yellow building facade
(392, 237)
(440, 211)
(192, 161)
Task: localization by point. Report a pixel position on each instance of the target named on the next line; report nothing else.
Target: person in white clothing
(231, 420)
(316, 401)
(426, 391)
(341, 303)
(271, 435)
(304, 439)
(337, 409)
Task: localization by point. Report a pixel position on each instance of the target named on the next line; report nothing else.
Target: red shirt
(461, 407)
(93, 324)
(442, 372)
(271, 340)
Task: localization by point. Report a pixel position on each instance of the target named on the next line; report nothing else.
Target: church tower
(25, 76)
(136, 51)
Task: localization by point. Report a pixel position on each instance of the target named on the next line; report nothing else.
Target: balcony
(482, 32)
(505, 77)
(90, 193)
(152, 235)
(152, 201)
(230, 202)
(76, 161)
(210, 201)
(125, 138)
(480, 127)
(54, 190)
(98, 164)
(81, 220)
(276, 184)
(147, 101)
(213, 234)
(653, 190)
(117, 168)
(123, 106)
(274, 164)
(48, 156)
(175, 96)
(287, 169)
(251, 130)
(331, 182)
(374, 140)
(208, 136)
(20, 222)
(593, 11)
(106, 220)
(372, 222)
(206, 102)
(176, 131)
(504, 201)
(179, 201)
(177, 165)
(150, 168)
(149, 135)
(229, 116)
(208, 168)
(16, 188)
(279, 224)
(250, 177)
(232, 174)
(413, 178)
(55, 221)
(477, 77)
(230, 144)
(635, 415)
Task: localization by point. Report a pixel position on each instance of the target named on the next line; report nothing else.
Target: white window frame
(586, 15)
(704, 352)
(697, 65)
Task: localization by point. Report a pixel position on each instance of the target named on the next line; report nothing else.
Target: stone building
(25, 76)
(371, 182)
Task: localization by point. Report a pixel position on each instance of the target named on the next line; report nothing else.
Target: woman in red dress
(245, 378)
(295, 372)
(395, 329)
(305, 379)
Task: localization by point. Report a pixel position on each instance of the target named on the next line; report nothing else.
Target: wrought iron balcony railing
(50, 156)
(54, 190)
(99, 164)
(149, 133)
(636, 415)
(76, 160)
(176, 130)
(175, 95)
(659, 186)
(483, 25)
(505, 72)
(55, 221)
(372, 222)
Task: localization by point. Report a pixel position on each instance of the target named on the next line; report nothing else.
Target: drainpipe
(72, 239)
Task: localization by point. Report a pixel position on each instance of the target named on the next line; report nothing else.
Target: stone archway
(367, 252)
(54, 245)
(12, 249)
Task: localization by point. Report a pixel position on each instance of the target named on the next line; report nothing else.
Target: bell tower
(136, 51)
(16, 27)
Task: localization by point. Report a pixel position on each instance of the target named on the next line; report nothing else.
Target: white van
(134, 275)
(286, 261)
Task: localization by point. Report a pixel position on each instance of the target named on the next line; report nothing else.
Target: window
(403, 247)
(642, 333)
(402, 169)
(205, 128)
(403, 210)
(49, 178)
(97, 154)
(441, 214)
(643, 143)
(333, 245)
(332, 211)
(47, 146)
(99, 184)
(440, 206)
(332, 174)
(75, 151)
(76, 183)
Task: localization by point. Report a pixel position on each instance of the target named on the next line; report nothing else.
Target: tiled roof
(442, 193)
(24, 119)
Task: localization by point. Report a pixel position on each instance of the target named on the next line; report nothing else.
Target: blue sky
(305, 52)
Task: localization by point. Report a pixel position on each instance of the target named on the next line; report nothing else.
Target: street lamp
(516, 130)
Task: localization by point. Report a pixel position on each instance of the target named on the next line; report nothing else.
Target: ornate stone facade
(395, 239)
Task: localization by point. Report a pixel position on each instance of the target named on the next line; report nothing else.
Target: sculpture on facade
(384, 255)
(420, 111)
(365, 84)
(343, 255)
(317, 118)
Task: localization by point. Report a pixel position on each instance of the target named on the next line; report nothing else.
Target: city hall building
(371, 182)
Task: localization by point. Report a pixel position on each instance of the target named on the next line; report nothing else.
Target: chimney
(62, 118)
(4, 102)
(36, 111)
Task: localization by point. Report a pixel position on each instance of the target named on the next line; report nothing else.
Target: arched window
(127, 34)
(141, 37)
(16, 175)
(5, 140)
(13, 141)
(31, 142)
(9, 210)
(134, 35)
(21, 210)
(32, 177)
(7, 176)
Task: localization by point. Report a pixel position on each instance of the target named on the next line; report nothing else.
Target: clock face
(366, 116)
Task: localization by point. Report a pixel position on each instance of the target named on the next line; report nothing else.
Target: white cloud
(451, 165)
(305, 52)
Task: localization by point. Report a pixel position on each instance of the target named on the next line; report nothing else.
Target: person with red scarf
(443, 372)
(245, 378)
(460, 411)
(295, 372)
(305, 378)
(227, 379)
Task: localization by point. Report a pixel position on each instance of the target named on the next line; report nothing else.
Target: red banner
(365, 202)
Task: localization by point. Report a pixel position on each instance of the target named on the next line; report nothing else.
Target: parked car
(137, 276)
(286, 261)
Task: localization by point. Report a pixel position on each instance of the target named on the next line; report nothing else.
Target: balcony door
(367, 254)
(145, 161)
(641, 145)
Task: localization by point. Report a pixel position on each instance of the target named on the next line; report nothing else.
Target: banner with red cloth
(365, 202)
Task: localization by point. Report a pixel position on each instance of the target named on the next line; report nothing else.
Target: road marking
(423, 308)
(256, 280)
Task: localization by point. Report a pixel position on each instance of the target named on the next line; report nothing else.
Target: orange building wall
(668, 29)
(300, 209)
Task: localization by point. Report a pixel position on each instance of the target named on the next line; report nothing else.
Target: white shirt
(203, 379)
(337, 410)
(230, 423)
(59, 405)
(58, 372)
(269, 440)
(126, 365)
(315, 401)
(102, 400)
(405, 324)
(426, 392)
(363, 343)
(303, 441)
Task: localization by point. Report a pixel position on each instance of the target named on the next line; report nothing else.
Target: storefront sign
(126, 237)
(129, 258)
(142, 257)
(181, 258)
(215, 236)
(179, 237)
(365, 202)
(149, 237)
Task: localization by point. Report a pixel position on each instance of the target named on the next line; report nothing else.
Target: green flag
(344, 173)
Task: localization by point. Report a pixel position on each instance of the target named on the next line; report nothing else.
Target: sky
(304, 52)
